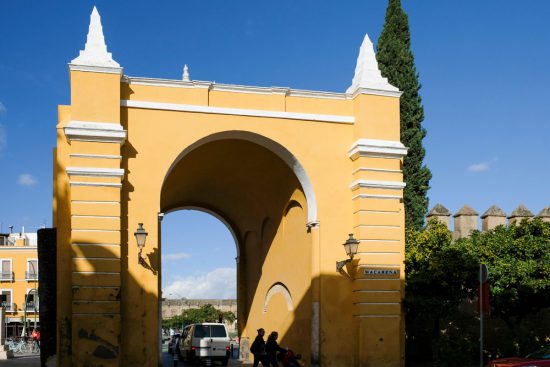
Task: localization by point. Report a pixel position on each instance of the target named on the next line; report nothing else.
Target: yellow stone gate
(290, 172)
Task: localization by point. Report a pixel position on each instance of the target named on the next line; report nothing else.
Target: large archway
(130, 149)
(261, 199)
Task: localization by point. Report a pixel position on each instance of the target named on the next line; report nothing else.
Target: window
(201, 331)
(217, 331)
(32, 269)
(32, 300)
(210, 331)
(5, 299)
(6, 270)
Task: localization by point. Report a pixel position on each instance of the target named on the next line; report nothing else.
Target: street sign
(381, 271)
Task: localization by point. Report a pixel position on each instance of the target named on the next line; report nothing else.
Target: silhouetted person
(258, 349)
(272, 347)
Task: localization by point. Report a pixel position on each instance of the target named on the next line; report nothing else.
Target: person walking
(258, 349)
(272, 348)
(36, 340)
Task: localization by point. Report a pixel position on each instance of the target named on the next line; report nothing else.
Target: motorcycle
(290, 359)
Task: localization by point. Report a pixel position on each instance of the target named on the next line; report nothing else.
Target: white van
(200, 342)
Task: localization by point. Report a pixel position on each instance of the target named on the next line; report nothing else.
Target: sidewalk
(28, 360)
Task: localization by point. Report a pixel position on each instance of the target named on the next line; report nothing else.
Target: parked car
(540, 358)
(205, 341)
(173, 344)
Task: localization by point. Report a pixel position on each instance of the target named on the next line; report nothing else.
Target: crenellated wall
(466, 219)
(174, 307)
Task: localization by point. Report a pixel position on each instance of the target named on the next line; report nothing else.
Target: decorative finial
(367, 75)
(95, 51)
(186, 73)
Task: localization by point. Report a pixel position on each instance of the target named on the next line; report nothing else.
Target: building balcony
(6, 276)
(31, 275)
(30, 306)
(7, 306)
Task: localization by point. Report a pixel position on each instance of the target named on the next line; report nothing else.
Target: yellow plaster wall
(180, 95)
(155, 140)
(376, 117)
(93, 96)
(319, 105)
(19, 285)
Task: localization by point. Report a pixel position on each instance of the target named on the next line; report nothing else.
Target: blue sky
(483, 66)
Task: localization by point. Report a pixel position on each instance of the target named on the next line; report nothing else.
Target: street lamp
(351, 245)
(35, 301)
(141, 236)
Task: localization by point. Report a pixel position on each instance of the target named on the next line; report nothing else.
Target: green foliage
(396, 63)
(518, 257)
(440, 274)
(442, 278)
(206, 313)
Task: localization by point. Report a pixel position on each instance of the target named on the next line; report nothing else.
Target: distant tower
(520, 213)
(494, 216)
(545, 214)
(441, 213)
(465, 222)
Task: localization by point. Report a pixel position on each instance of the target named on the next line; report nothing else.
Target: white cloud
(482, 166)
(176, 256)
(26, 179)
(219, 283)
(2, 108)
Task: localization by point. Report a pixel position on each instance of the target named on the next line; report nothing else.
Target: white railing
(7, 306)
(31, 275)
(6, 275)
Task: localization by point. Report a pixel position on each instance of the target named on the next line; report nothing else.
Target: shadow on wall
(256, 188)
(97, 331)
(90, 303)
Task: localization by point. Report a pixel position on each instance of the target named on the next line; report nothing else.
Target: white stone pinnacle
(367, 75)
(186, 73)
(95, 51)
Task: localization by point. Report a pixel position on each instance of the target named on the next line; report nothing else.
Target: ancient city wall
(175, 307)
(466, 219)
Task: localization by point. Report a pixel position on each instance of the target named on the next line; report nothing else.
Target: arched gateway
(291, 172)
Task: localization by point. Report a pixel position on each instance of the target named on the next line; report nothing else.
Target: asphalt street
(168, 360)
(32, 360)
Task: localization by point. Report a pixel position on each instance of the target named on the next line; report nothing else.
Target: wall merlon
(521, 212)
(466, 219)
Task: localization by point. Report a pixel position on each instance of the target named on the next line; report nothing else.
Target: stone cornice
(376, 92)
(95, 172)
(377, 148)
(371, 184)
(235, 88)
(96, 69)
(95, 131)
(237, 111)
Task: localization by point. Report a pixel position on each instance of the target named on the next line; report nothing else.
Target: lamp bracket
(340, 265)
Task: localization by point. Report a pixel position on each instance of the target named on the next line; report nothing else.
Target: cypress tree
(396, 63)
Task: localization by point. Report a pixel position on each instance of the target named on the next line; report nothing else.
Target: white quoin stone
(95, 51)
(367, 74)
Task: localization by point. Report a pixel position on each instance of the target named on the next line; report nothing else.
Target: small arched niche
(279, 288)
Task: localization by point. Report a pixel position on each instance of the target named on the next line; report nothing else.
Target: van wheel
(225, 361)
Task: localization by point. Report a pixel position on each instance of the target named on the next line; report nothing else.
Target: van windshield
(210, 331)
